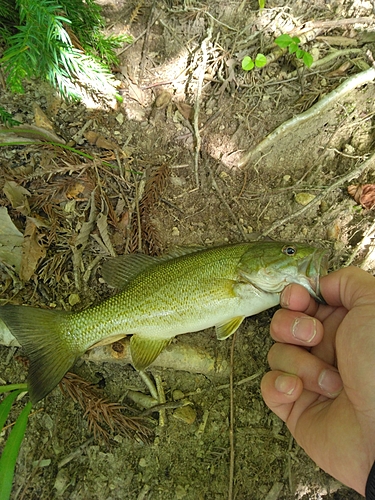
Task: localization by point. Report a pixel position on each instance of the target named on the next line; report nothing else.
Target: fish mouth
(313, 269)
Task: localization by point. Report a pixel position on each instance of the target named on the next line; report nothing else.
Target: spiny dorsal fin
(227, 329)
(39, 331)
(120, 270)
(144, 350)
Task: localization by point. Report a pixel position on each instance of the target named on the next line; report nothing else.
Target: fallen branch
(318, 108)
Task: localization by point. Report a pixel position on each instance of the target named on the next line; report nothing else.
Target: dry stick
(198, 139)
(360, 245)
(224, 201)
(231, 422)
(348, 177)
(288, 126)
(150, 22)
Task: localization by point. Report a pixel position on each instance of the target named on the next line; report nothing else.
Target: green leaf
(247, 63)
(296, 40)
(293, 47)
(299, 53)
(260, 60)
(262, 4)
(283, 41)
(13, 387)
(10, 452)
(5, 407)
(308, 59)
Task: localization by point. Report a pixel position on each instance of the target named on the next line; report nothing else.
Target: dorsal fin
(118, 271)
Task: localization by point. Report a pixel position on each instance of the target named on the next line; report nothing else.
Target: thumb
(349, 287)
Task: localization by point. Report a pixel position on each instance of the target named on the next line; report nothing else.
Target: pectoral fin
(144, 350)
(226, 329)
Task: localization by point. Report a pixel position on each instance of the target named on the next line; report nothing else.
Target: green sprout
(292, 44)
(248, 64)
(12, 446)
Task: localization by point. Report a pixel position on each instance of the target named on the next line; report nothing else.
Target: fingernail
(304, 328)
(330, 381)
(286, 384)
(285, 297)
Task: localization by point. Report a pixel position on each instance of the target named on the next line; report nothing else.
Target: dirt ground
(166, 168)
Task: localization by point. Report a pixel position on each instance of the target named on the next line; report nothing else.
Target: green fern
(41, 46)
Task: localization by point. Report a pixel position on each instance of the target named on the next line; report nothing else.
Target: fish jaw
(305, 269)
(310, 272)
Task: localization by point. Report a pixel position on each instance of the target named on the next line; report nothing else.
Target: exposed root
(289, 126)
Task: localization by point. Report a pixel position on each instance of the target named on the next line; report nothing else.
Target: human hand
(322, 382)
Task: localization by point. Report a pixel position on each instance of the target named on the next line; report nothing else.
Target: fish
(186, 290)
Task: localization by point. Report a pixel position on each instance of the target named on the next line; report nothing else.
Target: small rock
(74, 299)
(186, 414)
(177, 394)
(304, 198)
(120, 118)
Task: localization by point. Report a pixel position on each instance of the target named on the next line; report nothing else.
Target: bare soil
(165, 173)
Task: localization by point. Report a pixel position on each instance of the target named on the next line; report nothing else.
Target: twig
(224, 201)
(290, 125)
(360, 245)
(198, 139)
(76, 453)
(348, 177)
(331, 24)
(231, 421)
(150, 22)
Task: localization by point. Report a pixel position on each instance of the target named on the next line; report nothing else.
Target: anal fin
(225, 330)
(145, 350)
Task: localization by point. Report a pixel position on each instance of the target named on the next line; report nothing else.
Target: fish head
(274, 265)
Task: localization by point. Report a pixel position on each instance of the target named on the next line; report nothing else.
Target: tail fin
(40, 332)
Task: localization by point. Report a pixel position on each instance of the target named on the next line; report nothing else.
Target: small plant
(7, 119)
(10, 451)
(248, 64)
(59, 41)
(285, 41)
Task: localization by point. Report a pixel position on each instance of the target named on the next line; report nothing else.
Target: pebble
(304, 198)
(185, 414)
(120, 118)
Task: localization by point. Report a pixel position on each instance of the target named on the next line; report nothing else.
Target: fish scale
(159, 298)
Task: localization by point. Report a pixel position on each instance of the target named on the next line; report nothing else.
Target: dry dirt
(194, 195)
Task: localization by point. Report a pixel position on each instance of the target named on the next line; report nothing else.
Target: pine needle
(101, 414)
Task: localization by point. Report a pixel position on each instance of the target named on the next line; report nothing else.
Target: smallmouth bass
(162, 297)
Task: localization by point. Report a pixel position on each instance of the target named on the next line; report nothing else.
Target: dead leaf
(91, 136)
(364, 194)
(104, 143)
(17, 195)
(100, 141)
(32, 251)
(163, 99)
(102, 224)
(185, 109)
(11, 240)
(41, 119)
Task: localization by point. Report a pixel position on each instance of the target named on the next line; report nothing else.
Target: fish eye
(289, 250)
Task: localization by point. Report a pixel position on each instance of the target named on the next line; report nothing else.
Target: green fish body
(160, 298)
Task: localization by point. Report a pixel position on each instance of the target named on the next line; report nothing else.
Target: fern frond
(43, 48)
